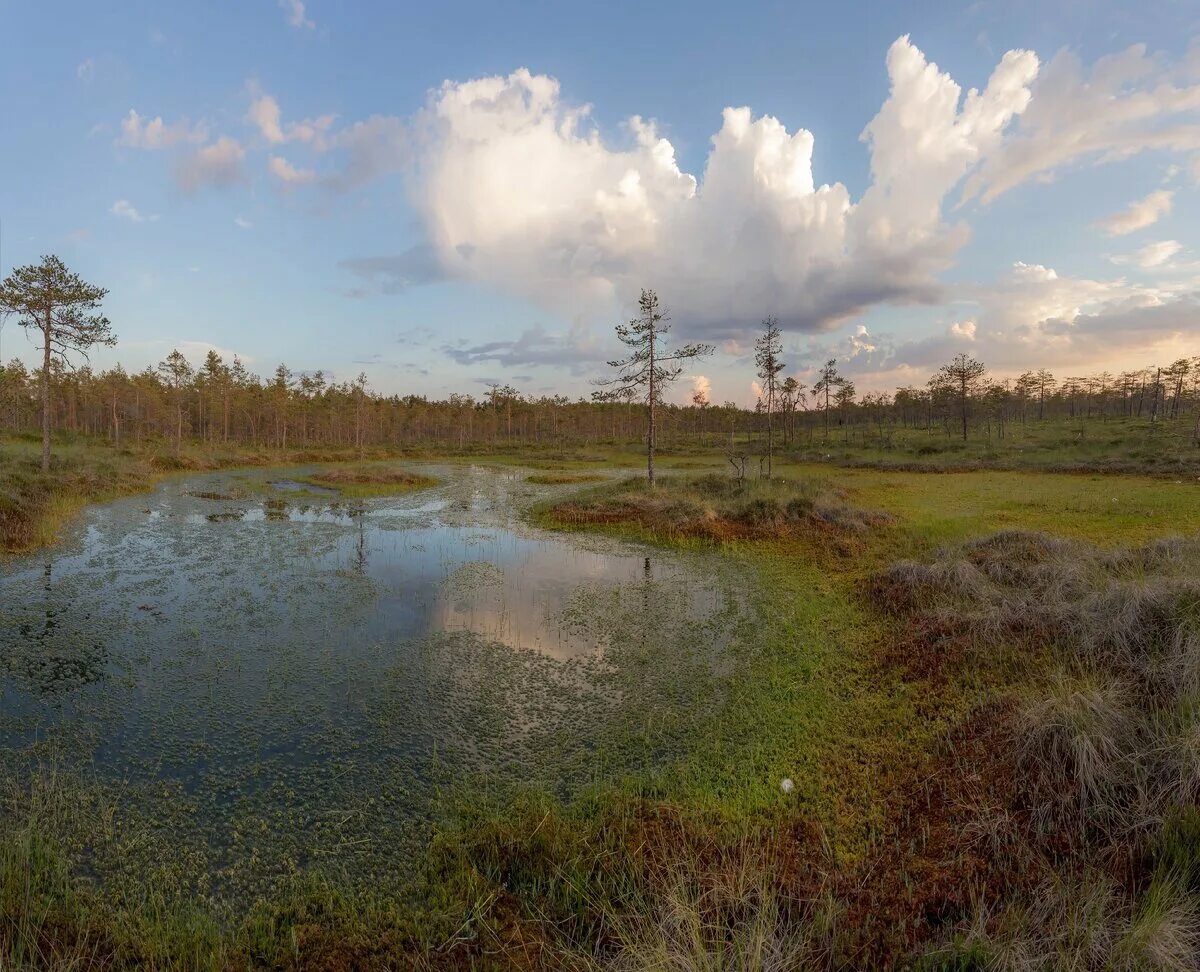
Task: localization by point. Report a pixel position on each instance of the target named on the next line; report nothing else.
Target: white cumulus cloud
(519, 190)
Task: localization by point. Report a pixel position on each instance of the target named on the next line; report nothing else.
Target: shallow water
(278, 678)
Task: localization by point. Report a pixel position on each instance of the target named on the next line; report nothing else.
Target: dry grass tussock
(712, 923)
(1102, 743)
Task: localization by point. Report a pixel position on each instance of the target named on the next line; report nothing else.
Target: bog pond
(264, 677)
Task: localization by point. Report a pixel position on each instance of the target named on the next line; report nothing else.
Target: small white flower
(787, 785)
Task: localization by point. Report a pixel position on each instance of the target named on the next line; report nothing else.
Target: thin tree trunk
(964, 410)
(47, 331)
(651, 430)
(770, 431)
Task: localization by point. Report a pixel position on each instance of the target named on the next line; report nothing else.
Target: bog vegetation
(947, 747)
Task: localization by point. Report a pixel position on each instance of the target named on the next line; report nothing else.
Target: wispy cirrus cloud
(393, 274)
(296, 14)
(154, 134)
(1124, 104)
(287, 174)
(1139, 214)
(124, 209)
(362, 150)
(577, 350)
(1150, 256)
(218, 165)
(267, 116)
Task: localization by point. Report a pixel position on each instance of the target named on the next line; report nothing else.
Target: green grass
(1131, 445)
(953, 505)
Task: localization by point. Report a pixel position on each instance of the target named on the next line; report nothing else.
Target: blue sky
(377, 187)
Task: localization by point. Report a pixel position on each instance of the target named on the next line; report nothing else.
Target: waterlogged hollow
(269, 677)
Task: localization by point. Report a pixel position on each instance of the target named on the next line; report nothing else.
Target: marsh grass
(542, 882)
(35, 506)
(731, 917)
(1102, 648)
(1052, 827)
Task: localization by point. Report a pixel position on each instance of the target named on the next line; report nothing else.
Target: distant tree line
(222, 401)
(961, 397)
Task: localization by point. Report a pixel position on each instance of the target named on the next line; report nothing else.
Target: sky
(445, 195)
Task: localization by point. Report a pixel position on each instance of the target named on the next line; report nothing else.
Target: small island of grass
(718, 507)
(365, 481)
(562, 478)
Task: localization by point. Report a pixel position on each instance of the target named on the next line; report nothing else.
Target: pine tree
(963, 374)
(50, 299)
(646, 372)
(177, 373)
(768, 350)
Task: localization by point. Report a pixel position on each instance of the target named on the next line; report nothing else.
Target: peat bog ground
(444, 715)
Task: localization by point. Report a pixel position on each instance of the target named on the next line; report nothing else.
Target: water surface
(279, 678)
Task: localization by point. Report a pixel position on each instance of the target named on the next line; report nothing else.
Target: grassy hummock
(1074, 784)
(720, 507)
(362, 481)
(561, 479)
